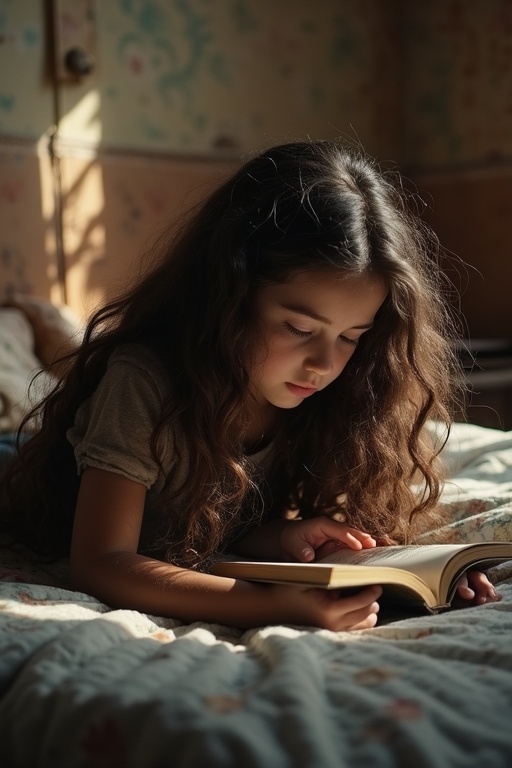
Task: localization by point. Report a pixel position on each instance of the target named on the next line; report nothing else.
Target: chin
(287, 405)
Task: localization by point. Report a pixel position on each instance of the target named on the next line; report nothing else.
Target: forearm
(129, 580)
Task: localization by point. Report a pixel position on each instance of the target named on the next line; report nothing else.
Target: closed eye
(350, 342)
(306, 334)
(295, 331)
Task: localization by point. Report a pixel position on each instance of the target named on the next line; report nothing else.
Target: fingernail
(307, 554)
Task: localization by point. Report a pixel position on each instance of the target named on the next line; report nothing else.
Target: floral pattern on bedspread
(476, 503)
(84, 686)
(94, 687)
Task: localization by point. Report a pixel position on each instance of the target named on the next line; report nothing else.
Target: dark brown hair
(357, 445)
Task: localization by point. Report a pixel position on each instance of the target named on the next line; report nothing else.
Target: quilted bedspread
(84, 686)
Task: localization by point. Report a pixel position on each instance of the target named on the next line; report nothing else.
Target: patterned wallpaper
(28, 261)
(457, 82)
(26, 107)
(426, 83)
(228, 76)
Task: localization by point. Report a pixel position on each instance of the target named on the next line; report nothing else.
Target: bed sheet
(85, 686)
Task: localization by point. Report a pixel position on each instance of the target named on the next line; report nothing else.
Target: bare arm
(105, 563)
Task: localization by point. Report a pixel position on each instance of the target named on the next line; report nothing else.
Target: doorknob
(74, 39)
(78, 62)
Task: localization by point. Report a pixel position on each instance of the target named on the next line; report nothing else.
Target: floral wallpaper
(227, 76)
(428, 84)
(26, 107)
(27, 235)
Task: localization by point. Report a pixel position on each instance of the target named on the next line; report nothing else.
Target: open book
(426, 574)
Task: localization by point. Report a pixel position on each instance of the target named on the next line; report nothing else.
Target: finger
(334, 545)
(366, 622)
(328, 548)
(366, 539)
(306, 555)
(464, 591)
(353, 622)
(357, 539)
(311, 545)
(325, 528)
(484, 590)
(362, 617)
(358, 600)
(315, 533)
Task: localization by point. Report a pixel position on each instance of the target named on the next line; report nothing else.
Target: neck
(256, 446)
(261, 425)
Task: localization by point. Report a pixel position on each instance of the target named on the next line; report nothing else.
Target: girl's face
(307, 328)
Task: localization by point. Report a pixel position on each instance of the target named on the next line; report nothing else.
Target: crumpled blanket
(84, 686)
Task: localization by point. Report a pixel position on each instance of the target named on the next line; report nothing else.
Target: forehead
(338, 298)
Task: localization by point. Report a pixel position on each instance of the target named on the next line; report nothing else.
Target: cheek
(277, 355)
(341, 361)
(261, 345)
(266, 355)
(274, 345)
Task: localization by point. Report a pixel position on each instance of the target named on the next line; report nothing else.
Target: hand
(476, 589)
(307, 540)
(326, 608)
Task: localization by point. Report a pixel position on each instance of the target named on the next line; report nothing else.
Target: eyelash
(305, 334)
(295, 331)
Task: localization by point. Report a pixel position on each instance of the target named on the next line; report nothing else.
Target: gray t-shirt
(113, 428)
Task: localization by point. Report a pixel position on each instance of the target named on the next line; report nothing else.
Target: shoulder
(113, 428)
(134, 388)
(135, 361)
(136, 355)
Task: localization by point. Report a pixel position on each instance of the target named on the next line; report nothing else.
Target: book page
(429, 570)
(428, 562)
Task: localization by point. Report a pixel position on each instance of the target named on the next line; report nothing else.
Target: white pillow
(19, 391)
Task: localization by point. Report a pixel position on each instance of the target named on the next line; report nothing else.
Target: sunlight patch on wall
(83, 119)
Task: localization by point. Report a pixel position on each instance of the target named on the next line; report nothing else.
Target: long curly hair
(357, 447)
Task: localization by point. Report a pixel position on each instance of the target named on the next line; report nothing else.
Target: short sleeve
(113, 428)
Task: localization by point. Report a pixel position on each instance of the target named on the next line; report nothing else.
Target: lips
(301, 391)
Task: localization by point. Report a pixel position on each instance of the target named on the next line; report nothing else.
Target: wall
(184, 88)
(28, 254)
(457, 143)
(205, 78)
(180, 92)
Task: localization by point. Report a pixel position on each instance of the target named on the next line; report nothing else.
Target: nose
(320, 360)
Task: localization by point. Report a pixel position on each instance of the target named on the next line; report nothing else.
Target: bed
(86, 686)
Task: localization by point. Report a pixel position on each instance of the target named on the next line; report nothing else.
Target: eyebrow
(300, 310)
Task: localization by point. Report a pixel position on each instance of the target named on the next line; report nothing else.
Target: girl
(264, 388)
